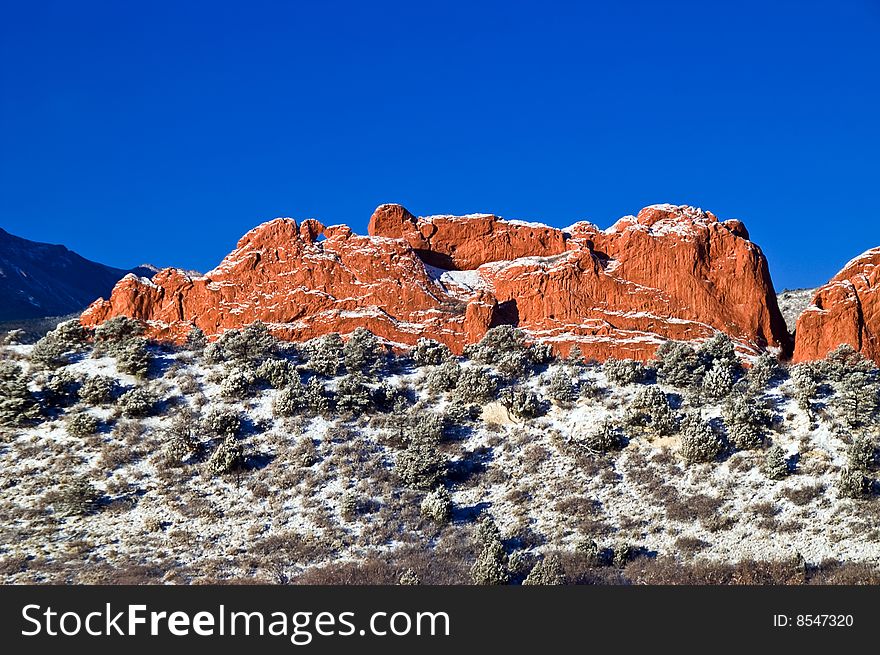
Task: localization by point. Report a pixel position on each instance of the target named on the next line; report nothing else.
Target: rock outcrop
(844, 311)
(669, 273)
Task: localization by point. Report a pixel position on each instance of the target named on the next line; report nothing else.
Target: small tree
(291, 401)
(196, 340)
(718, 381)
(491, 566)
(76, 496)
(547, 571)
(859, 398)
(228, 456)
(17, 404)
(252, 344)
(562, 388)
(98, 390)
(82, 424)
(222, 423)
(354, 395)
(763, 371)
(522, 404)
(317, 400)
(679, 365)
(475, 385)
(279, 373)
(420, 466)
(623, 371)
(437, 506)
(133, 357)
(181, 438)
(650, 408)
(861, 454)
(235, 386)
(362, 352)
(853, 483)
(58, 345)
(775, 464)
(746, 419)
(136, 403)
(507, 348)
(325, 354)
(443, 377)
(699, 443)
(115, 332)
(806, 377)
(719, 351)
(604, 437)
(429, 352)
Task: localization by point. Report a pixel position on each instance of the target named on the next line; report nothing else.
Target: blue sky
(160, 132)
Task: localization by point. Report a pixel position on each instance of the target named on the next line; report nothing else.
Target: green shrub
(354, 395)
(475, 385)
(522, 404)
(252, 344)
(429, 352)
(437, 506)
(679, 365)
(362, 352)
(443, 377)
(623, 371)
(228, 456)
(75, 496)
(236, 385)
(420, 466)
(650, 408)
(82, 424)
(563, 388)
(278, 373)
(699, 443)
(133, 357)
(547, 571)
(325, 354)
(775, 464)
(98, 390)
(222, 423)
(604, 437)
(137, 402)
(17, 404)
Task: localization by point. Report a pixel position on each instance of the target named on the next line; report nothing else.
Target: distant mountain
(40, 279)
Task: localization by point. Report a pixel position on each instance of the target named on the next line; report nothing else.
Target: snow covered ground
(320, 490)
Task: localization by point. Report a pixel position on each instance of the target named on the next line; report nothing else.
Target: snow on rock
(671, 272)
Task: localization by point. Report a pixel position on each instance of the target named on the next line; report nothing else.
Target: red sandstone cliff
(844, 311)
(670, 272)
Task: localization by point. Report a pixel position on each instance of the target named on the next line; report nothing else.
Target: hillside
(328, 461)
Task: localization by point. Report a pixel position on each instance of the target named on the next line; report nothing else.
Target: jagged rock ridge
(671, 272)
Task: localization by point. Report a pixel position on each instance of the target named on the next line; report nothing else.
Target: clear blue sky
(161, 131)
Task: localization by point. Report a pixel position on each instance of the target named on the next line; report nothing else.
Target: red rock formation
(670, 272)
(844, 311)
(465, 242)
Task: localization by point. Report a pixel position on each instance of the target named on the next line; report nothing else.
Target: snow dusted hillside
(792, 303)
(123, 461)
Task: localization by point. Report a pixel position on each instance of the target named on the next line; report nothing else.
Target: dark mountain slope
(40, 279)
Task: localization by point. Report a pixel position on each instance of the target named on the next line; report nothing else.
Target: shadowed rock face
(844, 311)
(40, 279)
(668, 273)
